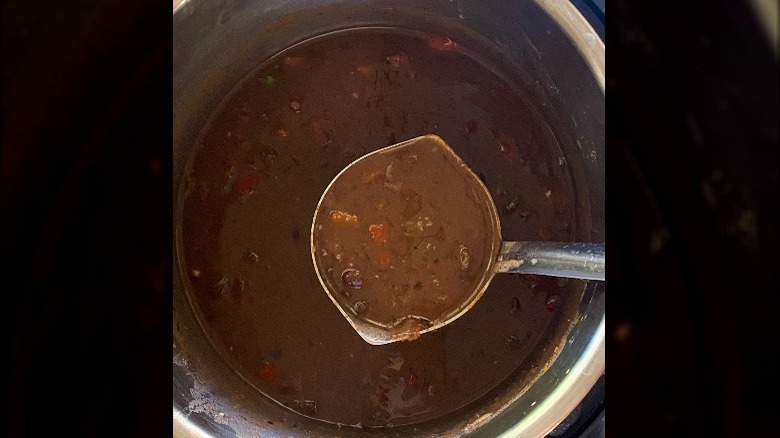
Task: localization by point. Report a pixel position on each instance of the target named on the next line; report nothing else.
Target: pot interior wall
(216, 44)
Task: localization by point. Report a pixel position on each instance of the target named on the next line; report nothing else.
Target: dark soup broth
(263, 162)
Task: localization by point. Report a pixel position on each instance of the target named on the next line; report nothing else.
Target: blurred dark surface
(692, 230)
(86, 219)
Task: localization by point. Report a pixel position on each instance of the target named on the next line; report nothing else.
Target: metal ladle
(578, 260)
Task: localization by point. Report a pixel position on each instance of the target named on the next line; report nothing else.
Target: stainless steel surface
(217, 42)
(557, 259)
(766, 12)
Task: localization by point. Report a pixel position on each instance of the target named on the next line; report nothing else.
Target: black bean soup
(261, 166)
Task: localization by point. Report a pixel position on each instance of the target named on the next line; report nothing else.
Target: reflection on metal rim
(581, 34)
(591, 364)
(568, 393)
(177, 4)
(184, 428)
(765, 12)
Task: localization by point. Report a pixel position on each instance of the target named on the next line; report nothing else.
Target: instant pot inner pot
(217, 47)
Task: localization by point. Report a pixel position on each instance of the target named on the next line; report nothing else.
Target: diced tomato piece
(385, 259)
(237, 289)
(413, 379)
(379, 233)
(365, 69)
(292, 61)
(372, 175)
(268, 373)
(246, 185)
(411, 386)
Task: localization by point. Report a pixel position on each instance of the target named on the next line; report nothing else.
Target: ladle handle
(556, 259)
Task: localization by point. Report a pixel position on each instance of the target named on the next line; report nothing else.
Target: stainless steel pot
(217, 42)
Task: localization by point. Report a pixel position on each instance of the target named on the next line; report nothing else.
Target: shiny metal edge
(178, 4)
(580, 33)
(766, 12)
(184, 428)
(569, 392)
(587, 370)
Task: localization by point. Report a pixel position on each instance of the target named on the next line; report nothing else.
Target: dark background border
(86, 217)
(692, 174)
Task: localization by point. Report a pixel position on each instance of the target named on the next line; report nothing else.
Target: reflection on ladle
(407, 238)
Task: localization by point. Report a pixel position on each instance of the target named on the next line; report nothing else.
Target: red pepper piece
(379, 233)
(443, 44)
(247, 184)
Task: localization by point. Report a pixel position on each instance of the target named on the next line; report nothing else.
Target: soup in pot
(260, 168)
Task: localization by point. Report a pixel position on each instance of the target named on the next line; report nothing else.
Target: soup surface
(405, 232)
(261, 166)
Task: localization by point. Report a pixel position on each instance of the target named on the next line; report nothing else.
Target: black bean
(352, 278)
(526, 214)
(513, 343)
(515, 305)
(553, 302)
(295, 104)
(512, 206)
(251, 257)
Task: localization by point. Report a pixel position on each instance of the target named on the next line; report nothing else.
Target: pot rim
(579, 380)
